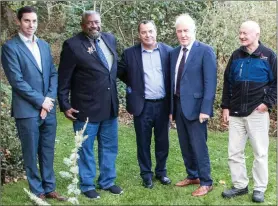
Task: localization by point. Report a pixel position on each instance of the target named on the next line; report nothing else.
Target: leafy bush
(10, 150)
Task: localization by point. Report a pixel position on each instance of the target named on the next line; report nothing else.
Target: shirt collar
(145, 50)
(26, 40)
(189, 46)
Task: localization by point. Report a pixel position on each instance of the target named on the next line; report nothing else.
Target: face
(147, 35)
(185, 33)
(28, 24)
(248, 35)
(92, 25)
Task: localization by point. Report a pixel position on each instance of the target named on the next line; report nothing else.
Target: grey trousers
(255, 127)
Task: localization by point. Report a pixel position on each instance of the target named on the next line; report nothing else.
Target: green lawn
(129, 179)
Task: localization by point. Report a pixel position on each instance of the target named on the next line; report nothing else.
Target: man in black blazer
(88, 72)
(145, 70)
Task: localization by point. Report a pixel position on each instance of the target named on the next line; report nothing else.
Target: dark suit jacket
(30, 86)
(198, 81)
(91, 86)
(131, 72)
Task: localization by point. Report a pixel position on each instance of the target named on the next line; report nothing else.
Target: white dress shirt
(33, 47)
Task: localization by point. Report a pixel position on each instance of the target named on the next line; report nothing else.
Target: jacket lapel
(138, 57)
(27, 52)
(42, 51)
(86, 43)
(192, 53)
(174, 60)
(163, 58)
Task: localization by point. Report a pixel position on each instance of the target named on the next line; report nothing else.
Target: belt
(155, 100)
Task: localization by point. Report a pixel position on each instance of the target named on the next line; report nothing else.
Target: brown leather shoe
(41, 196)
(202, 190)
(55, 195)
(187, 182)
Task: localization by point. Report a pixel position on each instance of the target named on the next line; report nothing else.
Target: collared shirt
(179, 59)
(153, 74)
(107, 53)
(33, 47)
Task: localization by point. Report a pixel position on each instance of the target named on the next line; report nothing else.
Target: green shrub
(10, 149)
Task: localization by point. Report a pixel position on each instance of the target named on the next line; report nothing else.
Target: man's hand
(203, 117)
(226, 116)
(43, 113)
(69, 113)
(48, 104)
(262, 108)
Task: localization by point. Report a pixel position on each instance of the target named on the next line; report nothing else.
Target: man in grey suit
(29, 67)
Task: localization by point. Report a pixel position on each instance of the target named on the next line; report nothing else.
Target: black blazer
(131, 72)
(91, 86)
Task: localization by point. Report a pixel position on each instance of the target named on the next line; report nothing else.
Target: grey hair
(88, 13)
(185, 18)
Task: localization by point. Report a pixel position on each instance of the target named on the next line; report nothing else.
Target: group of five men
(162, 84)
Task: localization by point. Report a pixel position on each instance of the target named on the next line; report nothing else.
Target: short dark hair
(25, 9)
(146, 22)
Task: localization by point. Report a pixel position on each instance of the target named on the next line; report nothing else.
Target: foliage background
(217, 25)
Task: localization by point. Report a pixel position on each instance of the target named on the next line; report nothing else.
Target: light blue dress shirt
(153, 74)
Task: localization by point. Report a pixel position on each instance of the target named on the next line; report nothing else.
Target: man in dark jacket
(250, 90)
(88, 71)
(145, 70)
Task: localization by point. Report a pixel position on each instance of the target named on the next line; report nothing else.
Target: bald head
(249, 34)
(252, 25)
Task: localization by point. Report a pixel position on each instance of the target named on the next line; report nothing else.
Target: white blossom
(36, 199)
(73, 200)
(67, 162)
(65, 175)
(74, 169)
(75, 180)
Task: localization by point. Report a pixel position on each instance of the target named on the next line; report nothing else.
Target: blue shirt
(153, 74)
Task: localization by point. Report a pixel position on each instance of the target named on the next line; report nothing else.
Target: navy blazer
(84, 83)
(198, 81)
(30, 86)
(131, 72)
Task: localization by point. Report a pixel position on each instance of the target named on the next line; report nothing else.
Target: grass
(129, 179)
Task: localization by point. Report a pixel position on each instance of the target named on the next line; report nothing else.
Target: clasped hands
(47, 106)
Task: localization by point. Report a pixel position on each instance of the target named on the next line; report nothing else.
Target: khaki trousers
(256, 127)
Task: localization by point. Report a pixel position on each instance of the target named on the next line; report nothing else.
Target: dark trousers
(37, 138)
(154, 115)
(193, 137)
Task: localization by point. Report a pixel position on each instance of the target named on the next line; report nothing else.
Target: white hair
(185, 18)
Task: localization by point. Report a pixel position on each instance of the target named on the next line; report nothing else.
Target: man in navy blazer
(29, 67)
(193, 86)
(145, 70)
(87, 88)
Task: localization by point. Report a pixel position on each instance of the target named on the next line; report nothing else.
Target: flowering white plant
(71, 162)
(35, 199)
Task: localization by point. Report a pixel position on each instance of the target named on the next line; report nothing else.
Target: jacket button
(108, 88)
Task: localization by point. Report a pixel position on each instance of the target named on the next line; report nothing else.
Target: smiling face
(91, 25)
(147, 35)
(249, 34)
(28, 24)
(185, 33)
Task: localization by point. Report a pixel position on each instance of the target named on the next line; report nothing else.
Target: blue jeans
(107, 136)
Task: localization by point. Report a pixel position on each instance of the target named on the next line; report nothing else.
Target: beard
(93, 34)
